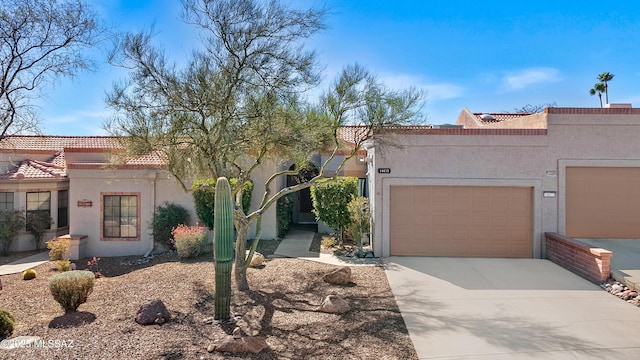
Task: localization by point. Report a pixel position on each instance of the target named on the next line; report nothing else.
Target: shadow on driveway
(508, 309)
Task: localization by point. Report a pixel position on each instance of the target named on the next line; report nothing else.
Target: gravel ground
(281, 306)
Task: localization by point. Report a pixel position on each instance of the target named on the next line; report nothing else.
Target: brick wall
(593, 264)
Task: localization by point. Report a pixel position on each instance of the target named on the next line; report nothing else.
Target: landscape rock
(154, 312)
(340, 276)
(240, 344)
(256, 260)
(335, 305)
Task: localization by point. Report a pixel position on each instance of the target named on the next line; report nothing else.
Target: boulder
(153, 312)
(339, 276)
(335, 305)
(256, 260)
(239, 344)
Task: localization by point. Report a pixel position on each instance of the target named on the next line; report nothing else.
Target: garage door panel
(602, 202)
(463, 221)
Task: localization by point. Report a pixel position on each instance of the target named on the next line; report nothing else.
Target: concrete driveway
(457, 308)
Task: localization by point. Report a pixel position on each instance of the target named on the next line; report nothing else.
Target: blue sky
(488, 56)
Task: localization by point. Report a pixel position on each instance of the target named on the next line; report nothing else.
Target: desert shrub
(165, 218)
(72, 288)
(189, 240)
(284, 214)
(328, 241)
(64, 265)
(29, 274)
(38, 222)
(6, 323)
(204, 198)
(11, 223)
(330, 201)
(59, 248)
(360, 216)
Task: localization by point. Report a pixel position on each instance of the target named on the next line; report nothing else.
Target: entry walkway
(21, 265)
(499, 309)
(297, 242)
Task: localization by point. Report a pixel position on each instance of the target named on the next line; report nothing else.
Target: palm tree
(598, 88)
(605, 77)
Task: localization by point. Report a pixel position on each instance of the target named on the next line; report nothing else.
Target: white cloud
(528, 77)
(433, 90)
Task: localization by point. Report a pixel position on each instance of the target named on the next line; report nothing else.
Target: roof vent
(487, 117)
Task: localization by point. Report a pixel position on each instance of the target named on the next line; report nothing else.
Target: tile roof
(53, 168)
(492, 118)
(57, 143)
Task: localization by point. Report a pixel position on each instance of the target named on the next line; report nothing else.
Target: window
(38, 204)
(63, 208)
(120, 219)
(6, 201)
(362, 187)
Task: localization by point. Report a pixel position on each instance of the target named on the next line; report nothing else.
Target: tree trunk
(242, 227)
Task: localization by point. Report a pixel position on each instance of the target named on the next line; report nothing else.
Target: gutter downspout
(153, 176)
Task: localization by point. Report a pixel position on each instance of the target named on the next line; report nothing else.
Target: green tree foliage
(604, 78)
(167, 217)
(331, 200)
(203, 192)
(42, 40)
(237, 103)
(11, 223)
(598, 88)
(284, 214)
(38, 222)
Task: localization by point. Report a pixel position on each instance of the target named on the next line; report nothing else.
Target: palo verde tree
(236, 104)
(41, 40)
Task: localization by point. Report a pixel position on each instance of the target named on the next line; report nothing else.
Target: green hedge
(330, 202)
(204, 198)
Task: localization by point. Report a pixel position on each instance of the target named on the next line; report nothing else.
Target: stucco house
(493, 184)
(106, 208)
(489, 186)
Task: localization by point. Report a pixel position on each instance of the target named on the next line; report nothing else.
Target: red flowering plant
(189, 240)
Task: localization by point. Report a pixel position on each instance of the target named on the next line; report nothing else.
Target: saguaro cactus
(223, 249)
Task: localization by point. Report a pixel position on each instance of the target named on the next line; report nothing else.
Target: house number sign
(384, 170)
(84, 203)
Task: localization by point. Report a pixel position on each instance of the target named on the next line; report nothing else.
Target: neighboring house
(106, 208)
(495, 184)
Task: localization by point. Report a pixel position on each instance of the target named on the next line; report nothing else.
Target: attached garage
(461, 221)
(603, 202)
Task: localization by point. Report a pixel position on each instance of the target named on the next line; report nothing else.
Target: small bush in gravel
(64, 265)
(59, 249)
(29, 274)
(71, 288)
(6, 324)
(189, 240)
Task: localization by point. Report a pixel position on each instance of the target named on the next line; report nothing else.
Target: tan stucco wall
(155, 187)
(538, 161)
